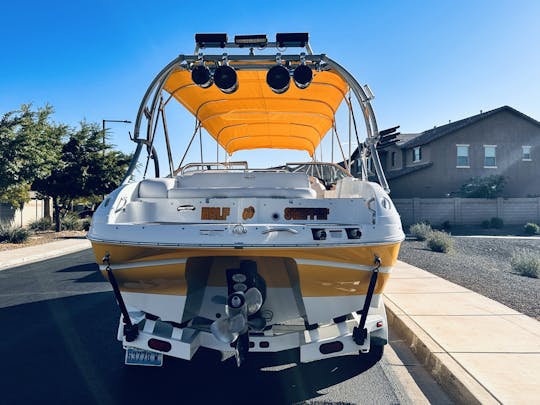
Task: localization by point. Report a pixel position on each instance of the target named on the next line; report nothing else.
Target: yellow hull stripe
(317, 281)
(322, 272)
(359, 255)
(168, 279)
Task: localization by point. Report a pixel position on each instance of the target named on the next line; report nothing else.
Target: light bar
(211, 40)
(292, 39)
(258, 40)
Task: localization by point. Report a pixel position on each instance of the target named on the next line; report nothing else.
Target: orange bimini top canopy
(255, 117)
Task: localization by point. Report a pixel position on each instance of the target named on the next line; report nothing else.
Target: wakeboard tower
(237, 258)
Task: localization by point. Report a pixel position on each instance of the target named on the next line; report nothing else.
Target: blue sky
(427, 62)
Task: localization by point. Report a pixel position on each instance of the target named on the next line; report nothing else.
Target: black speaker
(278, 79)
(226, 79)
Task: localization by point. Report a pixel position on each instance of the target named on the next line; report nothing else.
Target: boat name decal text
(307, 213)
(248, 212)
(215, 213)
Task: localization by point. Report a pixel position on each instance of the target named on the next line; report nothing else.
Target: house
(437, 162)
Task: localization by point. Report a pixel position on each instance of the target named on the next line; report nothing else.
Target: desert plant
(496, 223)
(439, 241)
(13, 234)
(526, 263)
(531, 228)
(420, 231)
(71, 222)
(446, 226)
(486, 224)
(42, 224)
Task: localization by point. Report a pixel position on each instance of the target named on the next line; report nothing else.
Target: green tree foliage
(30, 148)
(483, 187)
(88, 167)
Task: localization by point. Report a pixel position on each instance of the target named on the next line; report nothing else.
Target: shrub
(526, 263)
(71, 222)
(446, 226)
(486, 224)
(420, 231)
(496, 223)
(43, 224)
(439, 241)
(13, 234)
(85, 223)
(531, 228)
(483, 187)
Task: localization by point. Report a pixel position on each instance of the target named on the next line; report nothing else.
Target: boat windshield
(327, 173)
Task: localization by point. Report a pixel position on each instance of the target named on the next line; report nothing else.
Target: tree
(483, 187)
(88, 167)
(30, 148)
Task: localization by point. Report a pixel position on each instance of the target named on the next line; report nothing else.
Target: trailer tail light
(332, 347)
(379, 324)
(160, 345)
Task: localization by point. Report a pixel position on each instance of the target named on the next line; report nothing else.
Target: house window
(526, 152)
(490, 156)
(463, 156)
(417, 154)
(393, 159)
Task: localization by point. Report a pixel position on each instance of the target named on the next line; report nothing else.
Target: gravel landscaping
(482, 264)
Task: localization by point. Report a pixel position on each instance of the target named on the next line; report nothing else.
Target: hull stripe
(149, 263)
(340, 265)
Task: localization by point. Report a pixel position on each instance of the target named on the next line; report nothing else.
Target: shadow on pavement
(65, 351)
(94, 276)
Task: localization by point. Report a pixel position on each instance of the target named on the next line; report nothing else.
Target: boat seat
(242, 185)
(241, 192)
(155, 188)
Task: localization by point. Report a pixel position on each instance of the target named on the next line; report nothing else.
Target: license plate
(141, 357)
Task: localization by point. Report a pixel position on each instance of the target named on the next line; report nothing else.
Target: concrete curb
(45, 251)
(449, 374)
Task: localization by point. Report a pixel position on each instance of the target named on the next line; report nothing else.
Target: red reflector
(379, 324)
(332, 347)
(264, 344)
(160, 345)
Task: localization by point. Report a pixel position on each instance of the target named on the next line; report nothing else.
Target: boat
(241, 258)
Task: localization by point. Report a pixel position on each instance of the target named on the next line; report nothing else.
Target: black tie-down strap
(130, 331)
(360, 331)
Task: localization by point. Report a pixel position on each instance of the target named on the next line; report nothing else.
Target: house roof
(412, 140)
(406, 170)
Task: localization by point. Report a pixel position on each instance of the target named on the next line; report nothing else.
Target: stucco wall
(34, 209)
(468, 211)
